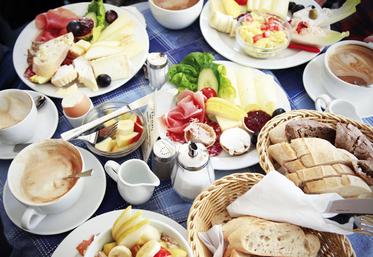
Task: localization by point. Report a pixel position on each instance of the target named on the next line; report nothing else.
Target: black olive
(291, 6)
(73, 27)
(111, 16)
(254, 139)
(297, 7)
(81, 27)
(278, 111)
(103, 80)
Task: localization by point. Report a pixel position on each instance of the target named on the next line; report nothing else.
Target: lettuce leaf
(198, 60)
(226, 90)
(184, 76)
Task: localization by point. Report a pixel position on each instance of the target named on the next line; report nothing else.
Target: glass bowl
(104, 109)
(258, 51)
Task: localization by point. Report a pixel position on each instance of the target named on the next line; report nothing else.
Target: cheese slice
(51, 54)
(101, 51)
(85, 73)
(227, 123)
(116, 66)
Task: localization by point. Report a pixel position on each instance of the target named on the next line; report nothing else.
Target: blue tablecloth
(176, 44)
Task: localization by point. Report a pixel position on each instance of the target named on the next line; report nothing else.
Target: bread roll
(267, 238)
(277, 134)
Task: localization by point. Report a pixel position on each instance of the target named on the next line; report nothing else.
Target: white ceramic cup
(135, 180)
(341, 89)
(336, 106)
(176, 19)
(36, 211)
(22, 131)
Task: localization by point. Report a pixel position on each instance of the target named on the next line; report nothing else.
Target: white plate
(224, 45)
(88, 203)
(315, 80)
(46, 126)
(100, 224)
(224, 161)
(30, 32)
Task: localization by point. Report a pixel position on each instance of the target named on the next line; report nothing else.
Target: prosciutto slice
(189, 107)
(53, 23)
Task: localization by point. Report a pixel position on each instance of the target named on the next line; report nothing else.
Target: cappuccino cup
(37, 179)
(349, 66)
(17, 116)
(336, 106)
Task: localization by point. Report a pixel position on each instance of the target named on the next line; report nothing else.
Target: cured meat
(190, 107)
(53, 23)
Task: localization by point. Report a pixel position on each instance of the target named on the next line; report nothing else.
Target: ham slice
(190, 107)
(53, 23)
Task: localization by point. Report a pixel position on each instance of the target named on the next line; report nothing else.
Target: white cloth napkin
(214, 240)
(277, 198)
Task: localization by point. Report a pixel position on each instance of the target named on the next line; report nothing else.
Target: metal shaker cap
(193, 156)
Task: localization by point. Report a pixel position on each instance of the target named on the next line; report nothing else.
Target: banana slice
(120, 251)
(149, 249)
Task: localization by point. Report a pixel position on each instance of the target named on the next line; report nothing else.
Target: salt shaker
(156, 69)
(193, 171)
(163, 161)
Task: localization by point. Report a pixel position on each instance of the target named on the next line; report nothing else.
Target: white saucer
(46, 126)
(315, 79)
(88, 203)
(102, 223)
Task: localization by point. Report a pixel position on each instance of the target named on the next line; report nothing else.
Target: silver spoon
(86, 173)
(40, 101)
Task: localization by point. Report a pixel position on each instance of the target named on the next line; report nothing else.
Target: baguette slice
(277, 134)
(294, 166)
(346, 186)
(316, 173)
(282, 153)
(233, 225)
(270, 239)
(313, 244)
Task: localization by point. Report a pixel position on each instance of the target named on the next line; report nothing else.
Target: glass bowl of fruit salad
(262, 35)
(129, 136)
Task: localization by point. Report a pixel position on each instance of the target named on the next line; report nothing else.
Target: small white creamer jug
(135, 180)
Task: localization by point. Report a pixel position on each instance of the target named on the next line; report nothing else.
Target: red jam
(255, 120)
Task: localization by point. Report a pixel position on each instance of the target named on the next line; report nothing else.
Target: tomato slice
(82, 247)
(208, 92)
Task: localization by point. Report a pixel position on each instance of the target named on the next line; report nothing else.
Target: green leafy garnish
(185, 74)
(97, 7)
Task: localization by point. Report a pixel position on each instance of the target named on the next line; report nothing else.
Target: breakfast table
(176, 44)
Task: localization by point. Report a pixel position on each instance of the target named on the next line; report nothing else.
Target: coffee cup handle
(322, 102)
(31, 218)
(112, 168)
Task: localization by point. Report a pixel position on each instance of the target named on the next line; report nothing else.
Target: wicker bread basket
(325, 117)
(211, 205)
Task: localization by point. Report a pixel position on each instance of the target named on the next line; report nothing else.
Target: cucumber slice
(207, 78)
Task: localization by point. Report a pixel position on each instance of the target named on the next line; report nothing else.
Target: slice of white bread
(51, 54)
(268, 238)
(345, 185)
(234, 224)
(277, 134)
(282, 153)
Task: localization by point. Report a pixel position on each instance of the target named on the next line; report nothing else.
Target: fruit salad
(261, 34)
(129, 131)
(132, 235)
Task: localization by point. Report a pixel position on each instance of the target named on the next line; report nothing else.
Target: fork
(92, 138)
(100, 134)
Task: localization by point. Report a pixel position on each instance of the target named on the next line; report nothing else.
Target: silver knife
(356, 206)
(73, 133)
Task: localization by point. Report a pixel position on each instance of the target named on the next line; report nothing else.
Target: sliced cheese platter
(92, 51)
